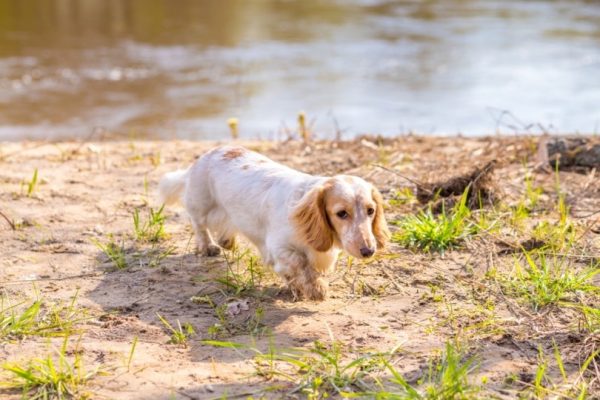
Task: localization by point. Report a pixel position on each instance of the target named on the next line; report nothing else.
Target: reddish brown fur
(380, 229)
(303, 281)
(233, 153)
(311, 217)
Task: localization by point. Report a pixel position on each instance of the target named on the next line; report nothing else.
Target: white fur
(231, 190)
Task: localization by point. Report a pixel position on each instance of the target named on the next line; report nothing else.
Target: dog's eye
(342, 214)
(370, 211)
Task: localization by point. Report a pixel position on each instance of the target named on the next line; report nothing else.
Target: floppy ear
(311, 220)
(380, 228)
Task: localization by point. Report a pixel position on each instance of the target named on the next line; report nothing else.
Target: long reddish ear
(311, 220)
(380, 228)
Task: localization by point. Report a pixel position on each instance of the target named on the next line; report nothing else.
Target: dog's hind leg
(200, 205)
(205, 244)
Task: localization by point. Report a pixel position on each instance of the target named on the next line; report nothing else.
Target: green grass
(179, 335)
(155, 255)
(528, 202)
(227, 326)
(541, 281)
(327, 370)
(31, 185)
(446, 379)
(437, 233)
(244, 273)
(152, 229)
(38, 318)
(591, 317)
(115, 252)
(544, 386)
(402, 197)
(51, 377)
(320, 371)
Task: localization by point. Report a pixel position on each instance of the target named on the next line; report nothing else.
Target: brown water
(176, 68)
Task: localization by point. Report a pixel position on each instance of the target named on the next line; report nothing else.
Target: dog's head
(346, 211)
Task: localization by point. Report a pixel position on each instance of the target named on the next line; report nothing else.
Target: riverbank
(67, 229)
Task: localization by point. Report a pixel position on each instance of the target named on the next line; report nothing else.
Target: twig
(64, 278)
(399, 174)
(10, 222)
(394, 282)
(184, 394)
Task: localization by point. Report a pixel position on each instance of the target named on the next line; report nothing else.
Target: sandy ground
(419, 301)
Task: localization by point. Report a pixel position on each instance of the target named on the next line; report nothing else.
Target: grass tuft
(446, 379)
(438, 233)
(244, 273)
(321, 371)
(38, 318)
(541, 281)
(152, 229)
(180, 334)
(49, 377)
(31, 184)
(115, 252)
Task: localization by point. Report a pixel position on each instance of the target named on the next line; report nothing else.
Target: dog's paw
(314, 290)
(211, 250)
(317, 290)
(227, 242)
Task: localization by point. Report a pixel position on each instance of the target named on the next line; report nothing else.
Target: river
(180, 69)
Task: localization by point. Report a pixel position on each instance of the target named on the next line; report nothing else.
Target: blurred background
(180, 69)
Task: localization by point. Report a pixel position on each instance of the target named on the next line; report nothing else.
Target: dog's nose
(366, 252)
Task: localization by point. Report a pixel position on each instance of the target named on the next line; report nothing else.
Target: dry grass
(498, 302)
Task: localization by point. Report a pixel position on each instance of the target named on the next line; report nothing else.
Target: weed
(233, 127)
(115, 252)
(327, 370)
(155, 159)
(303, 130)
(446, 379)
(39, 318)
(542, 281)
(180, 335)
(555, 236)
(402, 196)
(320, 371)
(430, 232)
(244, 272)
(153, 229)
(130, 358)
(528, 202)
(50, 377)
(31, 184)
(157, 255)
(591, 317)
(544, 387)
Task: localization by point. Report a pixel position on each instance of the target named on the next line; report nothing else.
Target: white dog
(299, 222)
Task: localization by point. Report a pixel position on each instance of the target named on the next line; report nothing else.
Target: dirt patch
(476, 184)
(87, 195)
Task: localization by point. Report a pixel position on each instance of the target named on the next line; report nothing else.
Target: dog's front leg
(303, 280)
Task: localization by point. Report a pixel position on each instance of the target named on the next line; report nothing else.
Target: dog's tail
(171, 186)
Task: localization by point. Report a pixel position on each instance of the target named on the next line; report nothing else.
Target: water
(176, 68)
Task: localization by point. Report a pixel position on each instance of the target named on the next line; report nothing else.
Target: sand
(87, 193)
